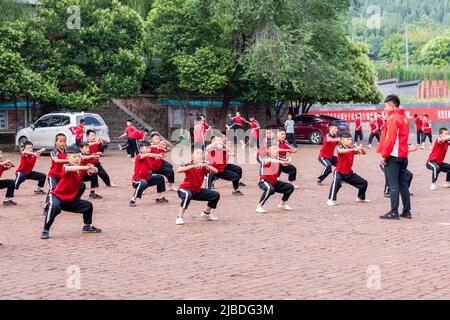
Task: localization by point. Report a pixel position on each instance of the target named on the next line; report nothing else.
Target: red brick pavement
(314, 252)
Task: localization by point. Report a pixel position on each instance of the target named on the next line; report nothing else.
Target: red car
(313, 128)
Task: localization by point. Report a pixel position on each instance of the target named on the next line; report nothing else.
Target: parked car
(42, 133)
(313, 128)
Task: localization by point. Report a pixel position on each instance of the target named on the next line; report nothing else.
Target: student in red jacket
(191, 187)
(427, 132)
(78, 132)
(67, 196)
(436, 159)
(344, 171)
(283, 149)
(159, 165)
(394, 156)
(87, 159)
(374, 132)
(7, 184)
(143, 177)
(268, 179)
(238, 127)
(25, 169)
(326, 154)
(419, 132)
(127, 133)
(254, 133)
(94, 149)
(380, 122)
(218, 153)
(358, 130)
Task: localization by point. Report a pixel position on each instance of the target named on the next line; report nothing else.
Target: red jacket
(394, 139)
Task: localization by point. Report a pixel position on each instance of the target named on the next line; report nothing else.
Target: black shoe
(45, 234)
(162, 200)
(406, 215)
(132, 203)
(9, 202)
(319, 183)
(390, 216)
(91, 229)
(237, 193)
(39, 191)
(242, 184)
(95, 196)
(411, 194)
(387, 195)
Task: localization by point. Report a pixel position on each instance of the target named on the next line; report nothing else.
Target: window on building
(3, 120)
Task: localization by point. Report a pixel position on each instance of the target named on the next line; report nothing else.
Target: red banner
(435, 114)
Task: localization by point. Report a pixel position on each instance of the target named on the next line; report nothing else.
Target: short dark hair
(89, 131)
(82, 121)
(144, 143)
(154, 133)
(27, 143)
(147, 131)
(425, 115)
(358, 115)
(333, 124)
(394, 98)
(345, 135)
(84, 144)
(441, 130)
(130, 120)
(416, 115)
(59, 135)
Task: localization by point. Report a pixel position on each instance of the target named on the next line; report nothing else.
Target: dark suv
(313, 128)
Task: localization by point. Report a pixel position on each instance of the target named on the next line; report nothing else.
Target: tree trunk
(16, 126)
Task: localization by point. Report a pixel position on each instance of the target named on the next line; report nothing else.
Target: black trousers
(133, 147)
(253, 141)
(238, 131)
(77, 205)
(291, 170)
(52, 183)
(358, 135)
(437, 168)
(291, 139)
(352, 179)
(386, 186)
(204, 195)
(269, 189)
(231, 173)
(8, 184)
(374, 135)
(93, 178)
(33, 175)
(166, 170)
(419, 136)
(328, 164)
(78, 143)
(155, 180)
(396, 173)
(425, 135)
(102, 174)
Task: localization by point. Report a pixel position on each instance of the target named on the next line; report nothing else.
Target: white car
(42, 133)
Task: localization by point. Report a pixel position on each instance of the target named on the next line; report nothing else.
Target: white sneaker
(361, 200)
(331, 203)
(210, 217)
(369, 146)
(260, 210)
(113, 185)
(422, 147)
(173, 189)
(285, 207)
(179, 221)
(446, 185)
(433, 187)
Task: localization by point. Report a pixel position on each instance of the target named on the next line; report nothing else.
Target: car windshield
(91, 120)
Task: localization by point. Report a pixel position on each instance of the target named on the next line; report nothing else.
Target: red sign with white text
(435, 114)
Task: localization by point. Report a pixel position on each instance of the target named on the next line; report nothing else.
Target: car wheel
(22, 140)
(315, 137)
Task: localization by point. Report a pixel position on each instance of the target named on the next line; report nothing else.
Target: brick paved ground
(314, 252)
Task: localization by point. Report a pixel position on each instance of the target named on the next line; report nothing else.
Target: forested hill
(429, 15)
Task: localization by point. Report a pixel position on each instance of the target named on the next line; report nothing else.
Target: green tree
(436, 52)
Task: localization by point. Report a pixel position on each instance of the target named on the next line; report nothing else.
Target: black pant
(204, 195)
(33, 175)
(427, 135)
(291, 170)
(254, 141)
(419, 133)
(78, 143)
(9, 185)
(437, 168)
(358, 135)
(396, 173)
(133, 147)
(269, 189)
(386, 186)
(231, 173)
(352, 179)
(52, 183)
(374, 135)
(238, 131)
(93, 178)
(328, 164)
(77, 205)
(155, 180)
(102, 174)
(291, 139)
(166, 170)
